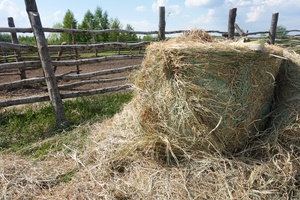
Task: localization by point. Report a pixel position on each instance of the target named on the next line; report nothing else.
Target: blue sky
(252, 15)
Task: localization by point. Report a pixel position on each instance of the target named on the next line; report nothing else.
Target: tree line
(99, 20)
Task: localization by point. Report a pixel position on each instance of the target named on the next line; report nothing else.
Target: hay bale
(212, 96)
(284, 123)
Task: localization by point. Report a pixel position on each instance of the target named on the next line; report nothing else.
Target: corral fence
(54, 57)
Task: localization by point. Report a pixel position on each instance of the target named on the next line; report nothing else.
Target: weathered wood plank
(231, 21)
(66, 77)
(47, 65)
(99, 46)
(29, 100)
(15, 40)
(26, 64)
(162, 23)
(81, 83)
(272, 33)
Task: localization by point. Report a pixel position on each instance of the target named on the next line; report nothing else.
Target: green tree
(54, 38)
(101, 22)
(4, 37)
(281, 31)
(115, 24)
(87, 24)
(97, 18)
(128, 37)
(69, 21)
(149, 38)
(25, 39)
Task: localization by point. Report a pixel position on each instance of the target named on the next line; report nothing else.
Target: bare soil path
(40, 88)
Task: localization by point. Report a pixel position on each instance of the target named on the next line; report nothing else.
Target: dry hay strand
(284, 118)
(211, 97)
(113, 172)
(29, 179)
(195, 35)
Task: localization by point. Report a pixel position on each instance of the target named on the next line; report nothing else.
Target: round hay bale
(208, 96)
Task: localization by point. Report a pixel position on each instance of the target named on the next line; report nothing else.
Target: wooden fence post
(231, 22)
(272, 32)
(161, 24)
(46, 62)
(14, 40)
(75, 50)
(59, 55)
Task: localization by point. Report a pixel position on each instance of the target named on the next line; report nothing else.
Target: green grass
(33, 131)
(110, 53)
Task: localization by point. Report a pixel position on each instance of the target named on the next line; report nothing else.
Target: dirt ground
(39, 89)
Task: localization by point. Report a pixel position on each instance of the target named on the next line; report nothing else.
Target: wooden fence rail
(28, 100)
(99, 46)
(68, 77)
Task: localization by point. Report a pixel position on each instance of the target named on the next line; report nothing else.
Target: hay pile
(201, 125)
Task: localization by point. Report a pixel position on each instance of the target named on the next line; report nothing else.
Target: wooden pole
(162, 24)
(46, 62)
(272, 33)
(14, 40)
(59, 55)
(75, 49)
(231, 22)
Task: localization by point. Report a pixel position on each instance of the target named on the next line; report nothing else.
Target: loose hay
(196, 107)
(284, 122)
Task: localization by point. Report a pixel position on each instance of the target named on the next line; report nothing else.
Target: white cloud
(58, 16)
(192, 3)
(174, 10)
(276, 2)
(158, 3)
(140, 8)
(204, 18)
(257, 9)
(239, 3)
(11, 9)
(272, 3)
(255, 12)
(142, 25)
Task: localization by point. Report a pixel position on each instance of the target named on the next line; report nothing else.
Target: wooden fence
(78, 77)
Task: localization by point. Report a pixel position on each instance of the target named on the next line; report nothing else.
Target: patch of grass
(64, 178)
(111, 53)
(33, 132)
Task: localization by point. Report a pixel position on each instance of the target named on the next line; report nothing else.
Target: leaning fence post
(161, 24)
(231, 22)
(14, 40)
(46, 62)
(272, 32)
